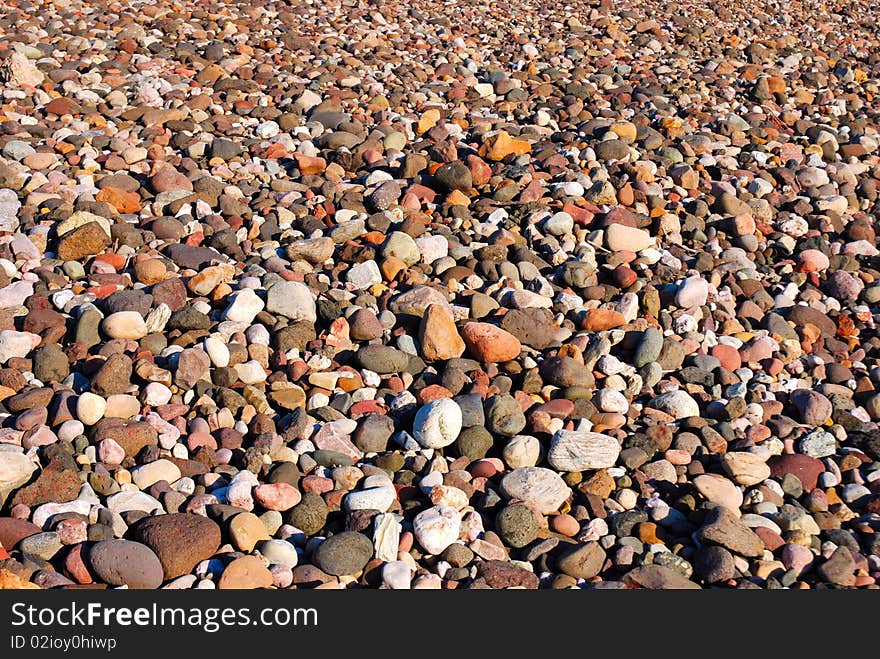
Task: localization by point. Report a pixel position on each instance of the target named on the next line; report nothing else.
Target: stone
(124, 325)
(86, 240)
(722, 527)
(619, 237)
(436, 528)
(516, 525)
(246, 530)
(583, 561)
(489, 343)
(657, 577)
(179, 540)
(126, 563)
(245, 573)
(579, 451)
(438, 335)
(344, 553)
(292, 300)
(745, 468)
(720, 490)
(15, 471)
(679, 404)
(542, 488)
(438, 423)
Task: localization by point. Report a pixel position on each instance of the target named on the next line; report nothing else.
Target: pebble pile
(513, 294)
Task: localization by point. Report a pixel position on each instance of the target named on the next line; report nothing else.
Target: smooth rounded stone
(279, 552)
(812, 407)
(812, 260)
(490, 344)
(122, 406)
(437, 527)
(293, 300)
(583, 561)
(839, 568)
(805, 468)
(692, 292)
(649, 347)
(720, 490)
(277, 496)
(745, 468)
(13, 530)
(126, 563)
(540, 487)
(474, 442)
(516, 525)
(245, 573)
(796, 557)
(314, 250)
(15, 470)
(454, 176)
(153, 472)
(218, 351)
(310, 514)
(133, 500)
(343, 553)
(124, 325)
(156, 393)
(90, 408)
(438, 423)
(572, 451)
(559, 224)
(504, 416)
(608, 400)
(50, 364)
(373, 433)
(678, 404)
(400, 245)
(396, 575)
(243, 307)
(179, 540)
(566, 372)
(17, 344)
(521, 451)
(373, 498)
(246, 530)
(619, 237)
(382, 359)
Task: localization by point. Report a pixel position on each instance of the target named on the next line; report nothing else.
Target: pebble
(438, 423)
(343, 554)
(125, 563)
(436, 528)
(579, 451)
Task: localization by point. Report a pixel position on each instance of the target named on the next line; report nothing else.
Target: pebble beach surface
(439, 295)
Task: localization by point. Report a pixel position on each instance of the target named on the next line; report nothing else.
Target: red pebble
(727, 355)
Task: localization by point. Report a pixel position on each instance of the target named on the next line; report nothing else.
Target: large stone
(293, 300)
(722, 527)
(179, 540)
(542, 488)
(436, 528)
(438, 335)
(15, 470)
(343, 553)
(126, 563)
(572, 450)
